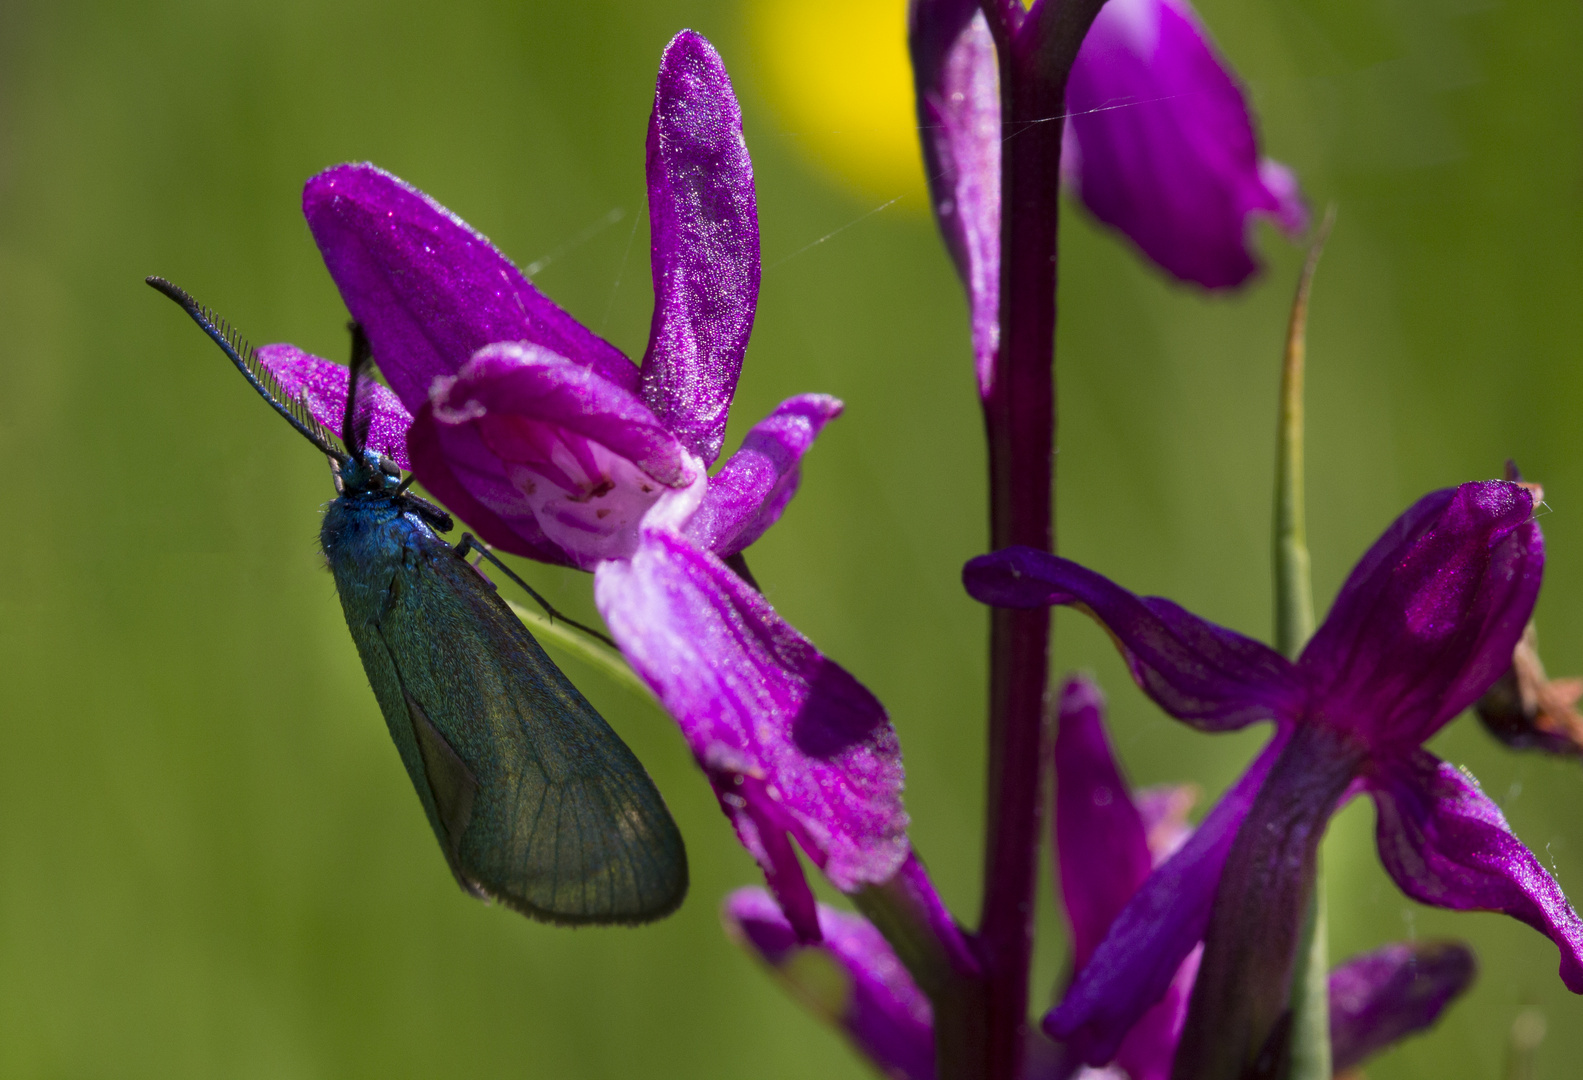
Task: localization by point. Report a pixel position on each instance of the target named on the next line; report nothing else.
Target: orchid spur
(1423, 626)
(553, 445)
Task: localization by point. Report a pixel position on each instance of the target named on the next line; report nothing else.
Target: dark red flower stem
(1035, 54)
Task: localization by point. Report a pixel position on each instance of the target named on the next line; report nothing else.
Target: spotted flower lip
(1424, 625)
(552, 444)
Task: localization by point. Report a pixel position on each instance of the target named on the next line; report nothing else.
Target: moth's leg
(469, 543)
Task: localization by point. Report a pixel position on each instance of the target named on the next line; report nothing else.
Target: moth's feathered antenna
(354, 427)
(258, 376)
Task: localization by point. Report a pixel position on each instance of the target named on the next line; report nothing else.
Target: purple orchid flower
(1158, 143)
(1108, 839)
(1425, 623)
(553, 445)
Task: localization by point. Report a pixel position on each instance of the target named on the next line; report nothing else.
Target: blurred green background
(211, 864)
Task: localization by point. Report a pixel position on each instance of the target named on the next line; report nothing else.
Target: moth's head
(367, 473)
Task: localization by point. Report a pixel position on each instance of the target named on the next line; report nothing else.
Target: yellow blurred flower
(837, 73)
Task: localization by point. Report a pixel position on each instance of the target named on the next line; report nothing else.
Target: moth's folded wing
(560, 819)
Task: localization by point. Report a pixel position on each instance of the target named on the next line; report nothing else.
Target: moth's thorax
(361, 531)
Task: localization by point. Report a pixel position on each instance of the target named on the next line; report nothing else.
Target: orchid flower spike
(1424, 625)
(553, 445)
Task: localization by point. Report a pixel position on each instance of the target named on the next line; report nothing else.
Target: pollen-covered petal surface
(428, 289)
(957, 80)
(1429, 618)
(703, 218)
(761, 709)
(852, 979)
(1200, 673)
(752, 489)
(1160, 145)
(321, 385)
(1446, 843)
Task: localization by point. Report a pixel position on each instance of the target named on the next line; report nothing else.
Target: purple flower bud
(1159, 144)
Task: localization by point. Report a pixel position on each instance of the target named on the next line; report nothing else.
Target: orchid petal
(1380, 997)
(512, 380)
(430, 291)
(1149, 1050)
(1429, 618)
(853, 980)
(1160, 145)
(1104, 855)
(1101, 846)
(1140, 957)
(751, 490)
(1447, 844)
(1205, 675)
(704, 222)
(554, 452)
(765, 828)
(756, 700)
(957, 80)
(321, 386)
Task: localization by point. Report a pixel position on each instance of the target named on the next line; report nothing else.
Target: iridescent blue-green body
(535, 801)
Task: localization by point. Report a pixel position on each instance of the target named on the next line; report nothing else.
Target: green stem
(1294, 625)
(1311, 990)
(585, 648)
